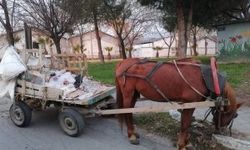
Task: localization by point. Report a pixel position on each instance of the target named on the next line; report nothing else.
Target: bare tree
(93, 12)
(133, 34)
(170, 41)
(6, 21)
(55, 17)
(81, 30)
(194, 33)
(129, 20)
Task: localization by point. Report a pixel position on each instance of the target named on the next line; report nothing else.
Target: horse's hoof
(181, 148)
(137, 135)
(190, 147)
(134, 140)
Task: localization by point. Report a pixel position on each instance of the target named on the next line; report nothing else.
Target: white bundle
(11, 65)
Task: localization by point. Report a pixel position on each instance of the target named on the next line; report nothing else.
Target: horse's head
(222, 118)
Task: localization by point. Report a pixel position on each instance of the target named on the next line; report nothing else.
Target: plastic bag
(11, 65)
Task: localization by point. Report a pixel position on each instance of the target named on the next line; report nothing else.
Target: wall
(146, 50)
(90, 43)
(234, 39)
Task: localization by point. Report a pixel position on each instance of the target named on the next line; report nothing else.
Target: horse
(177, 81)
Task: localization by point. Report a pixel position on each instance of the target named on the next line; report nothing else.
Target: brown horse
(163, 83)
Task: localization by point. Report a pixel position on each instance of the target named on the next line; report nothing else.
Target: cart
(73, 110)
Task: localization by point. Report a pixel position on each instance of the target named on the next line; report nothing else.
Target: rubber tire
(25, 110)
(76, 117)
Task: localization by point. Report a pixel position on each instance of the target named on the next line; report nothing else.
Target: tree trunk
(109, 56)
(171, 40)
(99, 44)
(7, 25)
(181, 30)
(189, 24)
(130, 53)
(195, 44)
(81, 45)
(130, 50)
(123, 49)
(57, 44)
(157, 54)
(169, 49)
(206, 45)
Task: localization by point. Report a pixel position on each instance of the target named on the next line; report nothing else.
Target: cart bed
(28, 89)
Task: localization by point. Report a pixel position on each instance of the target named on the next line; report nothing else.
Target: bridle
(219, 110)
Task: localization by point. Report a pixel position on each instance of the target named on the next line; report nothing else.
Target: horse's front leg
(186, 118)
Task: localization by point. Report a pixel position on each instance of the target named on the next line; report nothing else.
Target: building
(67, 43)
(143, 47)
(90, 44)
(206, 45)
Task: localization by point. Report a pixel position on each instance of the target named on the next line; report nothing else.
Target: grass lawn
(236, 73)
(102, 72)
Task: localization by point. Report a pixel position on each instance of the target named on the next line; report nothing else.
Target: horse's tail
(119, 102)
(230, 95)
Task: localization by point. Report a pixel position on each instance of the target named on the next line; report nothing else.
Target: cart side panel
(39, 91)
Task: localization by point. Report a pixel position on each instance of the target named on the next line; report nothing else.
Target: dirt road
(44, 133)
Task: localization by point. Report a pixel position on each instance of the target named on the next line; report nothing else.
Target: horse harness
(147, 78)
(149, 75)
(219, 101)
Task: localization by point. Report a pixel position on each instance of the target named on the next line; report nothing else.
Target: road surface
(44, 133)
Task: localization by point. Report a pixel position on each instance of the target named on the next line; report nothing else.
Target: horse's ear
(239, 105)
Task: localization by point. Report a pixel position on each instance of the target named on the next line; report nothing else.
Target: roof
(93, 31)
(212, 38)
(146, 40)
(232, 22)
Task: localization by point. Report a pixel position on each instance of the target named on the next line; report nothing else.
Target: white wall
(90, 43)
(146, 50)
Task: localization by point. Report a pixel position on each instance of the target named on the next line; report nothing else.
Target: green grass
(160, 123)
(236, 73)
(102, 72)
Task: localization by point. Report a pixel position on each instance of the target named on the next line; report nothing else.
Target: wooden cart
(31, 93)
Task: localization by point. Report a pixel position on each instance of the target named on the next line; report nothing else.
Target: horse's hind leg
(186, 118)
(129, 102)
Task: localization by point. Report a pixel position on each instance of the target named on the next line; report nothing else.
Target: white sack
(7, 87)
(2, 50)
(11, 65)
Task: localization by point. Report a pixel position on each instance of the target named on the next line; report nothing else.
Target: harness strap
(156, 67)
(193, 88)
(153, 85)
(207, 113)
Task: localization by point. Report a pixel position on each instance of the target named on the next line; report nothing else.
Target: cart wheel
(20, 114)
(72, 122)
